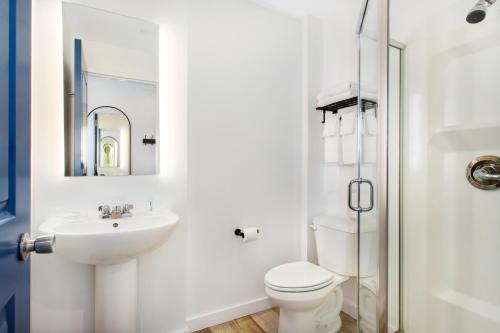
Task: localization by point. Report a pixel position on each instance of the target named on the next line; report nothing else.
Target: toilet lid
(298, 276)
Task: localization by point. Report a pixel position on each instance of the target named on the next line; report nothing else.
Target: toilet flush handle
(313, 227)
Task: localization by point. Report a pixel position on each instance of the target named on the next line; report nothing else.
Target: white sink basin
(97, 241)
(112, 245)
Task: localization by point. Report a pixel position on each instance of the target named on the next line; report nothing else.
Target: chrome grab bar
(486, 173)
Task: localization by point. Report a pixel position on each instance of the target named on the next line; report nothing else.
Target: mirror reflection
(111, 108)
(108, 142)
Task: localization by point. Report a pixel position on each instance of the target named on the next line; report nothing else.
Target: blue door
(80, 111)
(15, 25)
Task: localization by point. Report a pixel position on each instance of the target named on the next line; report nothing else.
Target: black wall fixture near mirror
(111, 93)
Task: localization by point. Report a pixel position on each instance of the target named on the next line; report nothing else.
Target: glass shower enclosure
(436, 172)
(450, 165)
(375, 193)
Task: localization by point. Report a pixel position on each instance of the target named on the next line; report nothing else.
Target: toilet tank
(336, 245)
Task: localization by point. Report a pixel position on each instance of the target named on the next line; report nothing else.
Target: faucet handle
(127, 208)
(103, 209)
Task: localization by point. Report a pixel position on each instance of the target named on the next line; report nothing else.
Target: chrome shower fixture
(478, 12)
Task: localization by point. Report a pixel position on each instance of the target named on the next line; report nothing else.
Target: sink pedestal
(112, 248)
(116, 298)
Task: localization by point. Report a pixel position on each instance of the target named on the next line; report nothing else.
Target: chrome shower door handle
(360, 182)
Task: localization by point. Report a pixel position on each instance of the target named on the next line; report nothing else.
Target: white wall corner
(304, 193)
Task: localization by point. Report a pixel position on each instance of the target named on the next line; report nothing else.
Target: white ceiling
(318, 8)
(407, 16)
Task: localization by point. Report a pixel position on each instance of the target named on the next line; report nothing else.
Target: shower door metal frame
(400, 158)
(382, 158)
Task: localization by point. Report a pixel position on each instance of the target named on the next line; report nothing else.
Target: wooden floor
(267, 322)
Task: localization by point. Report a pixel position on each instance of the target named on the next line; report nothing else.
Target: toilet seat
(297, 277)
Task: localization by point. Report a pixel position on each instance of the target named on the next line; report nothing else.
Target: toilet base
(297, 321)
(321, 319)
(306, 322)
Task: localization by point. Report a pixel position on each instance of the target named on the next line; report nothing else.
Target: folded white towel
(369, 149)
(349, 149)
(345, 87)
(349, 137)
(369, 132)
(348, 122)
(345, 95)
(370, 123)
(332, 150)
(331, 126)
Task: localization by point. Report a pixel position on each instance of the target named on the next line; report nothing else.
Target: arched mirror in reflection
(108, 142)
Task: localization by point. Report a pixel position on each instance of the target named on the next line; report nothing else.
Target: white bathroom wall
(340, 48)
(315, 193)
(62, 292)
(244, 153)
(333, 59)
(139, 101)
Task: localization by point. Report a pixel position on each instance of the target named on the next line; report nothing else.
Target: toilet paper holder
(239, 232)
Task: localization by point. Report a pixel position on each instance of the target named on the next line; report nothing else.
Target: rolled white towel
(338, 89)
(345, 87)
(344, 96)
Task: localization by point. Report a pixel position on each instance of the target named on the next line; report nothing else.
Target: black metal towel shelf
(353, 101)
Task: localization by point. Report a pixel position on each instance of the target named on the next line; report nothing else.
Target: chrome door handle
(41, 244)
(358, 208)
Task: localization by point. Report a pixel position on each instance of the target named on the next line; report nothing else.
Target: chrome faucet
(117, 212)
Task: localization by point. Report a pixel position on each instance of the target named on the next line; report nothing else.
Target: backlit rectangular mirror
(111, 93)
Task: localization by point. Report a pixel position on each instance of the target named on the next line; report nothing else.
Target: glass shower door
(368, 136)
(368, 194)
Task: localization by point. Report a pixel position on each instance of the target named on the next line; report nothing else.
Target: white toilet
(310, 296)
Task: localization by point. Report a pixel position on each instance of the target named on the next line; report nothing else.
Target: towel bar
(353, 101)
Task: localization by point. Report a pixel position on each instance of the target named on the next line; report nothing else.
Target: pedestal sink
(113, 246)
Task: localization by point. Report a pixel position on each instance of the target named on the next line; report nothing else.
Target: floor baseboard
(223, 315)
(350, 308)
